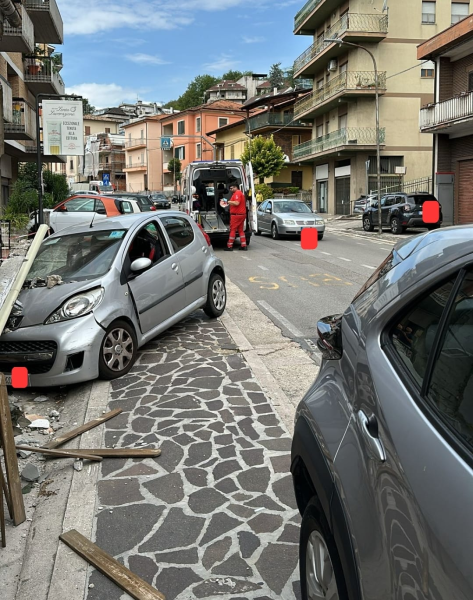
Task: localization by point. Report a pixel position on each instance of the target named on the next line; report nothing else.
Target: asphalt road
(296, 287)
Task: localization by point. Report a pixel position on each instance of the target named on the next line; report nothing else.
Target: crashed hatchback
(96, 294)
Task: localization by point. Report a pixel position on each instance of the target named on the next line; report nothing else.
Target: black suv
(400, 211)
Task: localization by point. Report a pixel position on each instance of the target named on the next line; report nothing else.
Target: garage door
(465, 185)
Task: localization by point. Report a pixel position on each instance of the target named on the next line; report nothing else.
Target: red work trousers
(237, 224)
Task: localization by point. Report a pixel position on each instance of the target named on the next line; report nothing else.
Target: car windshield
(77, 257)
(287, 206)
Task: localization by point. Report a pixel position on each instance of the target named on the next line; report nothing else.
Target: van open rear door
(251, 187)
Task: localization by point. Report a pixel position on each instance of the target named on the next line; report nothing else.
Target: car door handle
(369, 431)
(175, 267)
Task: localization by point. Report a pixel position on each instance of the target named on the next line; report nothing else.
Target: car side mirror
(329, 330)
(140, 264)
(268, 210)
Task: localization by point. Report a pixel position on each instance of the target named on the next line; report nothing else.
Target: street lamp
(378, 149)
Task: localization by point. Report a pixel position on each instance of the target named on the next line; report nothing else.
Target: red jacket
(241, 208)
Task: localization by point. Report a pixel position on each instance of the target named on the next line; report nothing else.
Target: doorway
(296, 179)
(322, 196)
(342, 196)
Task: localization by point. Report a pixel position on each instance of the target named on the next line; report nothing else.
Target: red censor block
(309, 239)
(431, 211)
(19, 377)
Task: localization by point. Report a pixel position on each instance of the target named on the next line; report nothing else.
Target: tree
(232, 75)
(194, 95)
(276, 76)
(174, 165)
(86, 106)
(265, 155)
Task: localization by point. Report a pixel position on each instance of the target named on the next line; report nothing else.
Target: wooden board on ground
(129, 582)
(4, 487)
(124, 452)
(2, 522)
(70, 435)
(62, 453)
(11, 460)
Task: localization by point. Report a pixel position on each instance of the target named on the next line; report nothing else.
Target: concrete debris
(40, 424)
(53, 280)
(54, 413)
(78, 465)
(24, 422)
(24, 453)
(30, 473)
(41, 399)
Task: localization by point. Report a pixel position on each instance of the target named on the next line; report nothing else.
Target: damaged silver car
(96, 294)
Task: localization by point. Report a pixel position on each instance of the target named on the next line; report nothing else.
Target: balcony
(454, 116)
(351, 27)
(7, 100)
(42, 75)
(18, 39)
(268, 120)
(135, 143)
(351, 83)
(139, 165)
(312, 14)
(23, 125)
(47, 21)
(27, 152)
(350, 139)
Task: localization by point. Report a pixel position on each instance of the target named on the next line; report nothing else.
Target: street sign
(63, 127)
(106, 178)
(166, 143)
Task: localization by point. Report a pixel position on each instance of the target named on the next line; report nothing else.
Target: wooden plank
(129, 582)
(62, 453)
(2, 522)
(124, 452)
(65, 437)
(9, 453)
(4, 487)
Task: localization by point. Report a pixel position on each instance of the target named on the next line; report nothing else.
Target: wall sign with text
(63, 127)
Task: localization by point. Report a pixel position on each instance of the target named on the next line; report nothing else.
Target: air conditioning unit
(332, 65)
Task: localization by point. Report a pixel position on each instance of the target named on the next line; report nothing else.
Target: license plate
(8, 380)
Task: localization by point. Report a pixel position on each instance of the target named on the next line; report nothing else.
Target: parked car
(363, 203)
(400, 211)
(160, 200)
(280, 217)
(124, 281)
(144, 200)
(86, 192)
(382, 452)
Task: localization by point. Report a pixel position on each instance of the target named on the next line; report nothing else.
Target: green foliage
(194, 95)
(18, 221)
(56, 185)
(293, 190)
(276, 76)
(265, 190)
(174, 166)
(265, 155)
(233, 75)
(87, 107)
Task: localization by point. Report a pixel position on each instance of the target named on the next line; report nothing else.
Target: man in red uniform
(237, 217)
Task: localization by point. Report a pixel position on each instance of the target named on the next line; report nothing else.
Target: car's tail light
(407, 208)
(153, 208)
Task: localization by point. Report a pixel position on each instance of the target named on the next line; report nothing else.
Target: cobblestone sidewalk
(214, 516)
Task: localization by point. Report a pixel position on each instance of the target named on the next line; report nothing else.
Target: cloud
(146, 59)
(253, 40)
(104, 95)
(224, 63)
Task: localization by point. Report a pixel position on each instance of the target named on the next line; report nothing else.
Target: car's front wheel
(118, 350)
(274, 232)
(216, 297)
(320, 236)
(320, 568)
(368, 224)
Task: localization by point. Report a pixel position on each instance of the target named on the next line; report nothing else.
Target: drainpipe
(10, 12)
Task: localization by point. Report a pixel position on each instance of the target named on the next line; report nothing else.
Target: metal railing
(447, 111)
(26, 30)
(24, 118)
(42, 69)
(7, 100)
(351, 136)
(135, 142)
(423, 184)
(348, 81)
(273, 119)
(305, 11)
(138, 163)
(349, 22)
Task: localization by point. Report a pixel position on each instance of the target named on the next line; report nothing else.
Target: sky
(118, 51)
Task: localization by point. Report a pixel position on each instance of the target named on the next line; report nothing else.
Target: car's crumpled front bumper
(77, 343)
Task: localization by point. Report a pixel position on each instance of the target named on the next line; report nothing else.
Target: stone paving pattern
(214, 516)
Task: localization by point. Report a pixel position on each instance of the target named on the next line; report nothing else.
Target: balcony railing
(447, 112)
(138, 163)
(273, 119)
(18, 39)
(305, 11)
(135, 142)
(42, 72)
(350, 22)
(352, 136)
(23, 125)
(47, 21)
(344, 82)
(7, 100)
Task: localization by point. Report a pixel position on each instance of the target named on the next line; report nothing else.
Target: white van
(210, 181)
(94, 186)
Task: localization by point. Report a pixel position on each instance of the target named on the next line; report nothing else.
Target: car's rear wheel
(320, 568)
(274, 232)
(396, 227)
(367, 224)
(216, 297)
(118, 350)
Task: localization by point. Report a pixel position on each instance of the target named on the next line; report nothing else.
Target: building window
(320, 83)
(181, 128)
(130, 161)
(428, 70)
(344, 68)
(198, 125)
(320, 131)
(106, 160)
(460, 10)
(71, 165)
(87, 130)
(107, 129)
(232, 152)
(428, 12)
(222, 121)
(180, 152)
(198, 151)
(342, 122)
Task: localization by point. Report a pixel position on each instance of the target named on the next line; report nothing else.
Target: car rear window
(145, 202)
(420, 198)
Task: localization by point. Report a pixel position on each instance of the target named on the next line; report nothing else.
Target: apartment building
(29, 65)
(450, 119)
(341, 107)
(227, 90)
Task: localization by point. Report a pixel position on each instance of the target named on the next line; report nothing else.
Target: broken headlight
(77, 306)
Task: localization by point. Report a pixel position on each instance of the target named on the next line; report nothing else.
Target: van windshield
(105, 188)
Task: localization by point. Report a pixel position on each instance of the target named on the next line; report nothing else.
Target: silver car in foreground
(382, 453)
(124, 280)
(280, 216)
